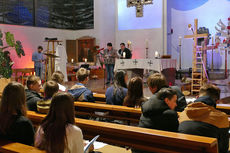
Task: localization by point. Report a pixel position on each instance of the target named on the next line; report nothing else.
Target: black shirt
(128, 54)
(21, 130)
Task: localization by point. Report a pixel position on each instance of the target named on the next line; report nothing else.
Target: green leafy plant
(5, 61)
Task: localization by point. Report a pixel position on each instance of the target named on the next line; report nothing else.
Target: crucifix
(198, 69)
(139, 4)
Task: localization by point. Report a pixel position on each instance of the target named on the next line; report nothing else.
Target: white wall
(31, 37)
(139, 36)
(208, 13)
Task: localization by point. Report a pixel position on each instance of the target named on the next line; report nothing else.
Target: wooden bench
(128, 114)
(14, 147)
(140, 138)
(224, 107)
(99, 97)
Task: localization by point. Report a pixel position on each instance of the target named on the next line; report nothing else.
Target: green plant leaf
(10, 39)
(1, 34)
(1, 43)
(19, 50)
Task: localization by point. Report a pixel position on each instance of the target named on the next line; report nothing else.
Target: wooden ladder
(197, 72)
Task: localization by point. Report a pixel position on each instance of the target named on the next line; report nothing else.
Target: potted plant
(7, 45)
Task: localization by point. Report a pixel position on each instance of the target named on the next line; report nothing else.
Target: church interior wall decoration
(139, 4)
(61, 14)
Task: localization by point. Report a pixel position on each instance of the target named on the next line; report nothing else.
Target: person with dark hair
(58, 77)
(14, 125)
(157, 81)
(37, 58)
(124, 52)
(32, 93)
(135, 96)
(116, 93)
(58, 132)
(201, 118)
(50, 88)
(109, 56)
(158, 113)
(79, 91)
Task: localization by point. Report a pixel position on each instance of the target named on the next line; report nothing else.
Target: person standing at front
(109, 59)
(38, 58)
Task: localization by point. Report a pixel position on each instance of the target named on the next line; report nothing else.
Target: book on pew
(90, 144)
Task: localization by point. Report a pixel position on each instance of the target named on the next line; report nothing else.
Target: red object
(229, 19)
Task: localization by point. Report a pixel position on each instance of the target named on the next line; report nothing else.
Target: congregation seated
(58, 132)
(157, 81)
(32, 93)
(58, 77)
(201, 118)
(116, 93)
(158, 112)
(79, 91)
(135, 96)
(50, 88)
(14, 125)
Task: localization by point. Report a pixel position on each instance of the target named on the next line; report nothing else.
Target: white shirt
(74, 138)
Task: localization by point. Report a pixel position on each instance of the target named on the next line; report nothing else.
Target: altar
(165, 66)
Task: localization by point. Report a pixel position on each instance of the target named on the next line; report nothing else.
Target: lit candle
(180, 40)
(85, 60)
(72, 60)
(124, 54)
(146, 43)
(156, 54)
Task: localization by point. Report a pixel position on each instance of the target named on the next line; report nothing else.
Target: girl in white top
(57, 133)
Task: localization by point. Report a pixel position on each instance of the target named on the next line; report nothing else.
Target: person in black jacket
(32, 93)
(158, 113)
(201, 118)
(157, 81)
(14, 125)
(124, 52)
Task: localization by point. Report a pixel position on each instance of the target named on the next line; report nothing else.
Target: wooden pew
(14, 147)
(128, 114)
(99, 97)
(140, 138)
(224, 107)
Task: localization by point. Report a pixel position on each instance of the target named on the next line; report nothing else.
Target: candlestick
(156, 54)
(72, 60)
(146, 43)
(212, 40)
(180, 40)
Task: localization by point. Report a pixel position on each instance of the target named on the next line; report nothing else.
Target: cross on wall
(139, 4)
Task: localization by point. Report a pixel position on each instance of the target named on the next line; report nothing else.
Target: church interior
(178, 50)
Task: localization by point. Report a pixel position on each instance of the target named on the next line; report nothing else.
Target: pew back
(140, 138)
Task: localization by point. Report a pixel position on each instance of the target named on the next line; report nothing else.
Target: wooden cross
(139, 5)
(150, 63)
(135, 62)
(196, 35)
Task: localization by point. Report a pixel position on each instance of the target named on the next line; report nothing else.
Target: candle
(124, 54)
(72, 60)
(156, 54)
(85, 60)
(146, 43)
(180, 40)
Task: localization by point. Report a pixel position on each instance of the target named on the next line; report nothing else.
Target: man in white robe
(60, 62)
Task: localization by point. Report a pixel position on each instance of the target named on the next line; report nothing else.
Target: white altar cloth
(149, 64)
